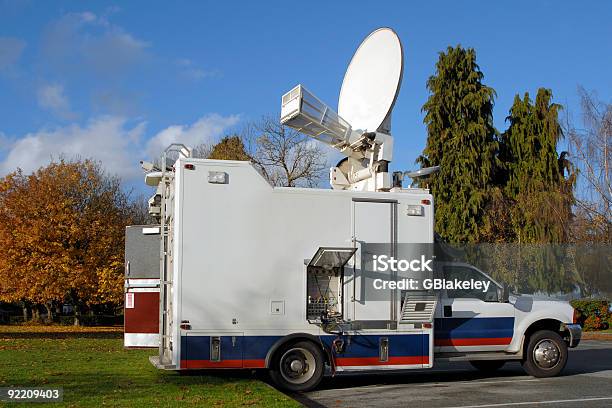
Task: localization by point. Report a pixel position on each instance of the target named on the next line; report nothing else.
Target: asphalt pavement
(585, 382)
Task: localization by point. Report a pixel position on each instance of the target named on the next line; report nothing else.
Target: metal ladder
(166, 324)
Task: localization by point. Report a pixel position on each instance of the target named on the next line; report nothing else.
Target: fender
(524, 319)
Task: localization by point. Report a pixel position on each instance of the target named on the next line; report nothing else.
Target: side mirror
(505, 293)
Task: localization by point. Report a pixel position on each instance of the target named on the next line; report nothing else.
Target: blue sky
(117, 80)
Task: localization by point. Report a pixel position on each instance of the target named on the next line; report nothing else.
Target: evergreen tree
(535, 173)
(462, 140)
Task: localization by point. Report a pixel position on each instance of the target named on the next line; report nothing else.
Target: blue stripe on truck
(455, 331)
(255, 348)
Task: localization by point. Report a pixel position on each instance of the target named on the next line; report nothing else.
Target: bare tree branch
(201, 151)
(591, 148)
(284, 156)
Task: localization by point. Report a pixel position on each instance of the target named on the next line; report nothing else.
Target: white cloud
(87, 48)
(113, 51)
(52, 97)
(91, 41)
(10, 51)
(107, 139)
(117, 143)
(205, 130)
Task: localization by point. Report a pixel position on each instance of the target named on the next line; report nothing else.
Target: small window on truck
(465, 273)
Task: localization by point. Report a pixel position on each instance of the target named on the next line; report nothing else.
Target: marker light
(575, 316)
(217, 177)
(415, 210)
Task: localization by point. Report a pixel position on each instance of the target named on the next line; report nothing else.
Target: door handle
(448, 311)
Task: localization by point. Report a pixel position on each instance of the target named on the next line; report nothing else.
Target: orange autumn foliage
(62, 234)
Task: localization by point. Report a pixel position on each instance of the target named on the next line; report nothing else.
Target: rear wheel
(487, 366)
(546, 354)
(298, 366)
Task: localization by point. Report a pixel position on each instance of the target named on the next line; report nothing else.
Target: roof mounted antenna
(361, 129)
(399, 176)
(425, 171)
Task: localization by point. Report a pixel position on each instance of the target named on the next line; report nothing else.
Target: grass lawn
(94, 370)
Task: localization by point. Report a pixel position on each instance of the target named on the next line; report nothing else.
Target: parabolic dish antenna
(372, 81)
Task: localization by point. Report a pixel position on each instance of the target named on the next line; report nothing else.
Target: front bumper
(575, 334)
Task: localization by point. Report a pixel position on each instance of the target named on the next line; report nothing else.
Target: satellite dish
(372, 82)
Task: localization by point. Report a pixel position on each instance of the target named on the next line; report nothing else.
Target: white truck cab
(490, 327)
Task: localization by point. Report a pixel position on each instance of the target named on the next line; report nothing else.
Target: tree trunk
(24, 308)
(49, 312)
(77, 313)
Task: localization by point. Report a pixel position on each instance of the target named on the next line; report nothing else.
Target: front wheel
(546, 354)
(298, 366)
(487, 366)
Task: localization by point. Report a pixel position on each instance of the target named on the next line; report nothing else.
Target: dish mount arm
(368, 152)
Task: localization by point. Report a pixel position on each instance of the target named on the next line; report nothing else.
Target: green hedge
(593, 314)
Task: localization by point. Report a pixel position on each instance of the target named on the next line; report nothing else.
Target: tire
(298, 366)
(487, 366)
(546, 354)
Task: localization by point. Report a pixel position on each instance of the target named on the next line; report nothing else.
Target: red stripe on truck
(500, 341)
(340, 361)
(373, 361)
(259, 363)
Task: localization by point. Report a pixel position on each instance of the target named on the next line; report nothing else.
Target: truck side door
(374, 222)
(472, 320)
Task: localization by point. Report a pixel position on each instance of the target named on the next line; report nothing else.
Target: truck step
(486, 355)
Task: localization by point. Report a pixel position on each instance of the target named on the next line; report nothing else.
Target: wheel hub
(546, 354)
(297, 365)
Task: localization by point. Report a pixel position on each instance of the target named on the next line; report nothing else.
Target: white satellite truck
(261, 277)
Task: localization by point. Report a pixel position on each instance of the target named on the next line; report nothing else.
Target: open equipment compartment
(325, 284)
